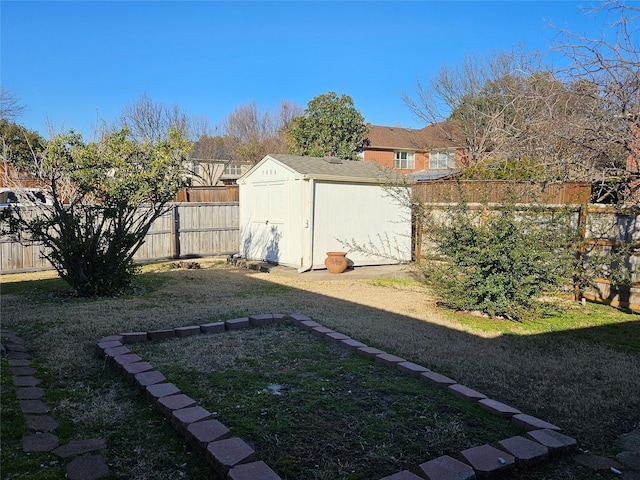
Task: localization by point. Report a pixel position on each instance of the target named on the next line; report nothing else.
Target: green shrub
(500, 266)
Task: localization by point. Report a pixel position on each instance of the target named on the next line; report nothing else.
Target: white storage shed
(295, 209)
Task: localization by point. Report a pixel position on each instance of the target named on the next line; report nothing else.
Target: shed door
(268, 224)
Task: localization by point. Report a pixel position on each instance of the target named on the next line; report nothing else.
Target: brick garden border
(231, 458)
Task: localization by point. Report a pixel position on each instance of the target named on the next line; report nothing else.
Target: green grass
(339, 416)
(592, 323)
(565, 369)
(393, 282)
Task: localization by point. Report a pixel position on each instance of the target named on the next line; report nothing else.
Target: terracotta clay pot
(336, 262)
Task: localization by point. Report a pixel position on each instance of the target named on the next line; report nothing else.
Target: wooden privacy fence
(186, 230)
(498, 191)
(601, 227)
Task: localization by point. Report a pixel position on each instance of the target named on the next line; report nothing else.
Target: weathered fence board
(187, 229)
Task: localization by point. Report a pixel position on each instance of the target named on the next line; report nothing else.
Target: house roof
(336, 168)
(427, 175)
(437, 135)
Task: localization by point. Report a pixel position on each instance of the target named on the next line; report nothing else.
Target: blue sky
(71, 63)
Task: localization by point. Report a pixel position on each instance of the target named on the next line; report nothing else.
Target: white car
(18, 197)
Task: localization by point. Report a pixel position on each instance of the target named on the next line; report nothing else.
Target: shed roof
(336, 168)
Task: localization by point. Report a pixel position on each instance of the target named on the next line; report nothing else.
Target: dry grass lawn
(590, 390)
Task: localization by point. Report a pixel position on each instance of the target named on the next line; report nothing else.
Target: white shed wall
(270, 215)
(360, 213)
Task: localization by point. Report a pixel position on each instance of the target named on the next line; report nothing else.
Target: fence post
(417, 218)
(582, 228)
(175, 232)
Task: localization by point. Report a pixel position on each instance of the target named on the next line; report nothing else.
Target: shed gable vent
(333, 160)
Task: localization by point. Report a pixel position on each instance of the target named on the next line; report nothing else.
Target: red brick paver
(498, 408)
(403, 475)
(159, 390)
(41, 423)
(201, 434)
(150, 377)
(446, 468)
(466, 393)
(369, 352)
(79, 447)
(555, 441)
(388, 359)
(437, 379)
(168, 404)
(488, 461)
(227, 453)
(213, 327)
(351, 344)
(260, 320)
(40, 442)
(526, 452)
(237, 323)
(412, 369)
(527, 422)
(161, 334)
(180, 419)
(34, 406)
(187, 331)
(134, 337)
(307, 325)
(87, 467)
(252, 471)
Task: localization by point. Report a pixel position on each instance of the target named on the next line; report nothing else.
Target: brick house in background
(425, 154)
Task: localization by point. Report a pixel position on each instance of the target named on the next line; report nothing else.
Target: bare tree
(477, 97)
(10, 106)
(259, 133)
(607, 78)
(149, 120)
